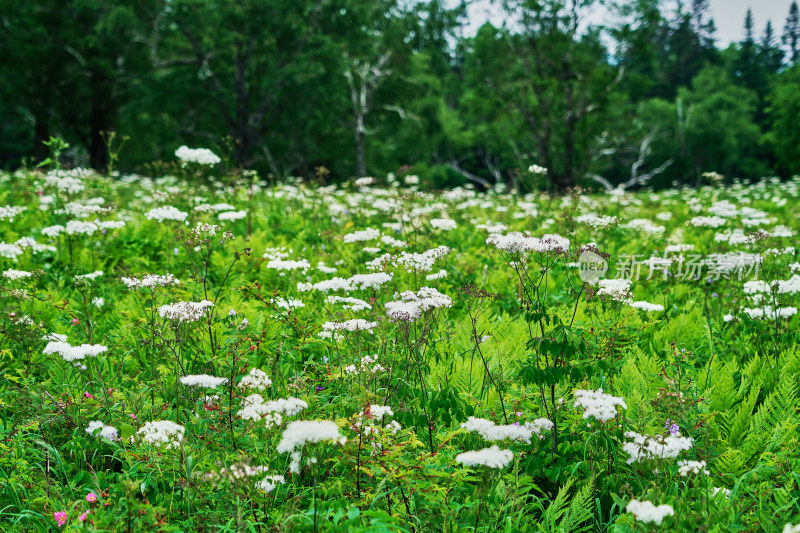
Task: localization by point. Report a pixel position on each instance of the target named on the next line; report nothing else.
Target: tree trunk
(361, 141)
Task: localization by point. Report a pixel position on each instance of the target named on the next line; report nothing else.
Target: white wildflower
(648, 447)
(516, 432)
(106, 432)
(492, 457)
(185, 311)
(647, 512)
(255, 379)
(686, 468)
(411, 306)
(598, 405)
(166, 213)
(163, 432)
(16, 274)
(203, 381)
(200, 156)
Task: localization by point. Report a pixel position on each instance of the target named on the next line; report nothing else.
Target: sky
(728, 16)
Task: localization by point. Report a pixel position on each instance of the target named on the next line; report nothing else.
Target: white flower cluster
(29, 242)
(200, 156)
(256, 379)
(492, 457)
(421, 262)
(335, 284)
(378, 411)
(185, 311)
(91, 276)
(80, 210)
(368, 234)
(166, 213)
(411, 306)
(16, 274)
(78, 227)
(353, 304)
(368, 418)
(10, 251)
(647, 512)
(646, 447)
(204, 230)
(391, 241)
(357, 281)
(74, 353)
(789, 528)
(68, 181)
(768, 312)
(232, 215)
(9, 212)
(291, 303)
(369, 281)
(269, 483)
(202, 208)
(355, 324)
(537, 169)
(288, 264)
(436, 275)
(726, 492)
(686, 468)
(368, 363)
(598, 405)
(150, 281)
(647, 306)
(162, 432)
(516, 432)
(299, 433)
(707, 222)
(203, 381)
(618, 289)
(104, 431)
(445, 224)
(644, 225)
(270, 412)
(380, 262)
(596, 221)
(516, 242)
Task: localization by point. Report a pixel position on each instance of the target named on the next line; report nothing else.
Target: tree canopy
(368, 87)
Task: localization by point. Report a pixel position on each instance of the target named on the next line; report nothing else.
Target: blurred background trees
(367, 87)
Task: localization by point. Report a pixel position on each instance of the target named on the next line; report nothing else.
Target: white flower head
(162, 432)
(492, 457)
(647, 512)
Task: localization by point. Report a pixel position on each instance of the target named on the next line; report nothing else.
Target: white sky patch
(728, 16)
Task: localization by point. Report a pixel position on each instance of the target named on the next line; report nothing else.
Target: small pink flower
(83, 516)
(87, 395)
(133, 416)
(91, 497)
(75, 321)
(61, 517)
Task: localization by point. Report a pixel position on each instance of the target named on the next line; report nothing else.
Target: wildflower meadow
(210, 351)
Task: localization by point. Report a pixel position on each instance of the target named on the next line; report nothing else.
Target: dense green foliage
(366, 87)
(509, 336)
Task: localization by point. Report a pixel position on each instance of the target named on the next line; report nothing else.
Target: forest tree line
(367, 87)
